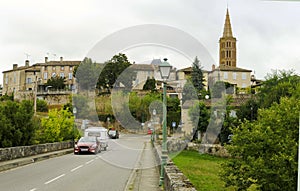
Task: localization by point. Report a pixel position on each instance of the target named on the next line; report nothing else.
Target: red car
(87, 145)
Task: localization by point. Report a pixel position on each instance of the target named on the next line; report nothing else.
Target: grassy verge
(202, 170)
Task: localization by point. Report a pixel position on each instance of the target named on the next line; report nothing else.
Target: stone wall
(174, 179)
(211, 149)
(25, 151)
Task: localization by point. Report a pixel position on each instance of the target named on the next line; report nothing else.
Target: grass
(202, 170)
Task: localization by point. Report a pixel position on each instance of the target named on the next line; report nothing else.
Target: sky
(267, 32)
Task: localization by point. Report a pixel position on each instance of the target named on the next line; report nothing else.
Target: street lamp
(164, 69)
(74, 113)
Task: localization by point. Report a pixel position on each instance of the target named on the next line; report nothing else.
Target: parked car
(113, 134)
(88, 145)
(100, 133)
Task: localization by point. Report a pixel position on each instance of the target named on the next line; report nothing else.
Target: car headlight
(94, 146)
(76, 147)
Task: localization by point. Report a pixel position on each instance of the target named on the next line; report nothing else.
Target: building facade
(24, 81)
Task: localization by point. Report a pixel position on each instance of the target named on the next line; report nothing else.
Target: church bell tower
(227, 45)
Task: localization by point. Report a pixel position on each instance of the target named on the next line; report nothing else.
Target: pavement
(144, 177)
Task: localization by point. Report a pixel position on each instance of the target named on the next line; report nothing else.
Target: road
(105, 171)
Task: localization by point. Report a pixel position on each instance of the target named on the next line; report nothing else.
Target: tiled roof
(190, 69)
(142, 67)
(59, 63)
(228, 68)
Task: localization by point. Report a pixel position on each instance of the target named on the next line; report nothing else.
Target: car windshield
(87, 139)
(112, 132)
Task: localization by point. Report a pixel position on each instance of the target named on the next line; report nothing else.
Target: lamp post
(164, 69)
(74, 113)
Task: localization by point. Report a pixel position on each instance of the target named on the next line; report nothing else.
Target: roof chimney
(15, 66)
(27, 63)
(61, 59)
(46, 59)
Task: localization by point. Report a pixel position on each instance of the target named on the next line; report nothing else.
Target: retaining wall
(25, 151)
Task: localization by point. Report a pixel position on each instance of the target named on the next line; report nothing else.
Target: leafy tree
(150, 84)
(278, 84)
(200, 113)
(42, 105)
(59, 126)
(56, 83)
(264, 152)
(87, 74)
(197, 75)
(17, 127)
(248, 111)
(112, 70)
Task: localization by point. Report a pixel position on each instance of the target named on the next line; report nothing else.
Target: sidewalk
(145, 176)
(6, 165)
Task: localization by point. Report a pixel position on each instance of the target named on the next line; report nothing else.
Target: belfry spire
(227, 26)
(227, 45)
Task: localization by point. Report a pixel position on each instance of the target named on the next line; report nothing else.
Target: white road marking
(33, 189)
(55, 178)
(76, 168)
(88, 162)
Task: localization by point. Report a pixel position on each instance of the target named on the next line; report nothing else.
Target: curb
(7, 165)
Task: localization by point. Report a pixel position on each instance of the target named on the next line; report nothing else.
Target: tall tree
(112, 70)
(87, 74)
(197, 75)
(150, 84)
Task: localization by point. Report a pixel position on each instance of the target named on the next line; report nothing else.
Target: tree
(87, 74)
(112, 70)
(264, 152)
(197, 75)
(59, 126)
(278, 84)
(200, 113)
(150, 84)
(189, 92)
(56, 83)
(17, 128)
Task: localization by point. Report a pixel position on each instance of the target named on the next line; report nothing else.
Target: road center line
(88, 162)
(33, 189)
(55, 179)
(76, 168)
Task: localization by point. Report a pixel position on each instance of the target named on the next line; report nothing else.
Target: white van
(100, 133)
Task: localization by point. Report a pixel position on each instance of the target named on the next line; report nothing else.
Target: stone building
(26, 81)
(227, 70)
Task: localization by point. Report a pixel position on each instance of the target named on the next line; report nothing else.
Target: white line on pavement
(54, 179)
(88, 162)
(33, 189)
(76, 168)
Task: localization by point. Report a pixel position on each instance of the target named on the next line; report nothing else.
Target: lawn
(202, 170)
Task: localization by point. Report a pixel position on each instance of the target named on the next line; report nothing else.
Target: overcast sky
(268, 32)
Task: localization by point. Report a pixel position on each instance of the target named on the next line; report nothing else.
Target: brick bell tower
(227, 45)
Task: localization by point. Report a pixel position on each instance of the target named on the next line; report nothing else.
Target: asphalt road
(105, 171)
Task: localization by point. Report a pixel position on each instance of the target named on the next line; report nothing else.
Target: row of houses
(27, 80)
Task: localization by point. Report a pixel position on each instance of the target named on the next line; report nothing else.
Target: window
(70, 76)
(244, 76)
(45, 76)
(62, 75)
(53, 75)
(6, 80)
(244, 85)
(234, 75)
(71, 68)
(28, 81)
(225, 75)
(62, 68)
(45, 68)
(53, 68)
